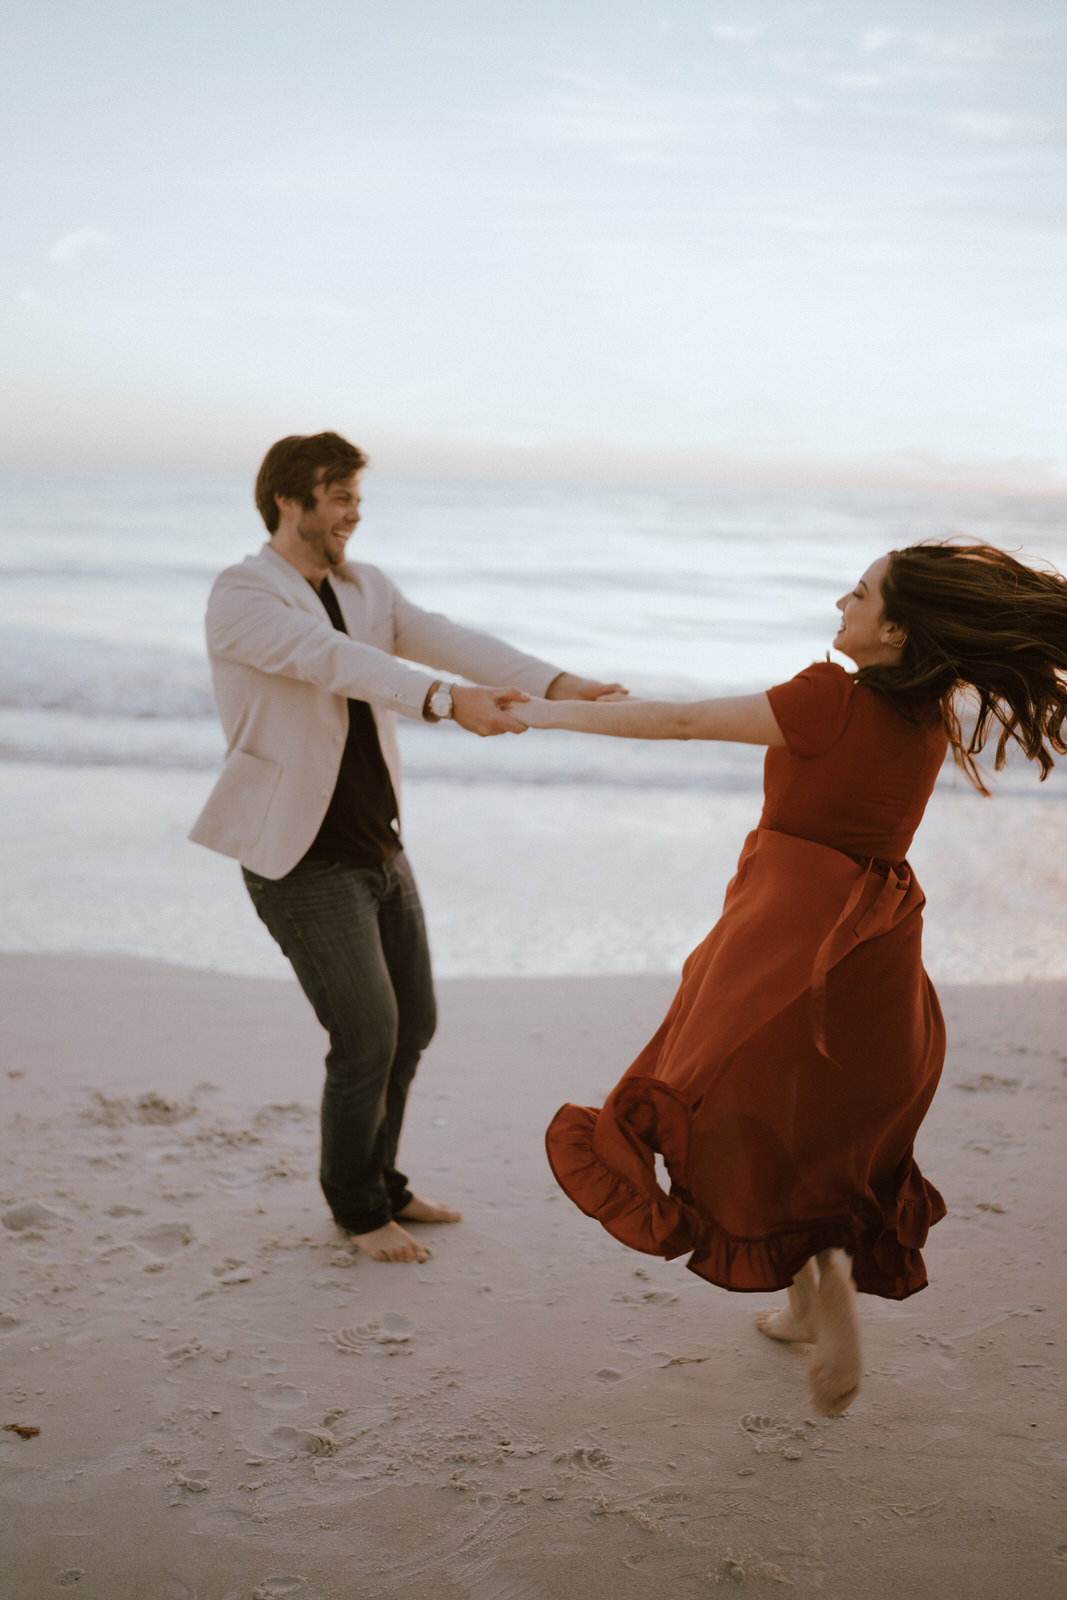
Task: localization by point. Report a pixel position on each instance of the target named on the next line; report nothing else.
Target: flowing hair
(974, 618)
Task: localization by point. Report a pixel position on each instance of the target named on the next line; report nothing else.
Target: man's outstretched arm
(566, 686)
(429, 637)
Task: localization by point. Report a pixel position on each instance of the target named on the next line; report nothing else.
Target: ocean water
(540, 854)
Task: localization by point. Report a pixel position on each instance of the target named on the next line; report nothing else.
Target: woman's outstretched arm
(737, 719)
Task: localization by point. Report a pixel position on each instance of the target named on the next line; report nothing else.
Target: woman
(786, 1085)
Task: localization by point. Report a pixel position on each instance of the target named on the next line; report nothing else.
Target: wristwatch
(438, 706)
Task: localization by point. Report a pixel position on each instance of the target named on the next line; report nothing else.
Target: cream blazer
(283, 675)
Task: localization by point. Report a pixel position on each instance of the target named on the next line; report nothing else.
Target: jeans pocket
(315, 869)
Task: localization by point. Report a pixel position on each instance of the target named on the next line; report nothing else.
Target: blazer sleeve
(429, 637)
(251, 624)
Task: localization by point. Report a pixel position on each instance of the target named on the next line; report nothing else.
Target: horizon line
(903, 470)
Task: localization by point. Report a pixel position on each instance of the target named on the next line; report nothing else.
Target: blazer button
(337, 739)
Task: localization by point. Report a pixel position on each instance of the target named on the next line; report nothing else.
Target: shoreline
(232, 1404)
(532, 880)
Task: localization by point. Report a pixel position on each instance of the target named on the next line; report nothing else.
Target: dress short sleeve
(813, 709)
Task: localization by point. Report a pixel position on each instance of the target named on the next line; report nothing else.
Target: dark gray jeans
(356, 939)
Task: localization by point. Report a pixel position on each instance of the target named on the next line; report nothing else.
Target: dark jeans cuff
(367, 1224)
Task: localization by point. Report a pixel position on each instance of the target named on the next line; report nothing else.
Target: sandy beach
(208, 1396)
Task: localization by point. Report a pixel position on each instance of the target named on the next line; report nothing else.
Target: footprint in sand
(29, 1214)
(233, 1270)
(166, 1240)
(773, 1435)
(944, 1353)
(285, 1588)
(650, 1297)
(497, 1587)
(608, 1374)
(519, 1450)
(281, 1397)
(231, 1178)
(180, 1353)
(111, 1111)
(288, 1442)
(987, 1083)
(389, 1334)
(585, 1457)
(195, 1481)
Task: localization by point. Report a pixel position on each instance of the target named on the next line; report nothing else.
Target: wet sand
(232, 1405)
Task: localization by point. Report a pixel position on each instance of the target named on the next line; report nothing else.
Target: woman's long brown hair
(975, 617)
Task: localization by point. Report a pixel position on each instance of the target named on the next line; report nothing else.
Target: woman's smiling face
(864, 633)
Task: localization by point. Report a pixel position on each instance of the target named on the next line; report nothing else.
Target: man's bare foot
(391, 1243)
(795, 1322)
(418, 1210)
(837, 1364)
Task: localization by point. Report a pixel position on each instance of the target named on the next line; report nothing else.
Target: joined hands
(491, 711)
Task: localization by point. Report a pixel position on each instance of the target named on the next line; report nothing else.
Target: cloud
(737, 32)
(264, 308)
(603, 125)
(966, 47)
(285, 308)
(1000, 125)
(960, 53)
(876, 39)
(859, 80)
(632, 124)
(72, 247)
(599, 115)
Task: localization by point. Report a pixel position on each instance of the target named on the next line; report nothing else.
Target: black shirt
(361, 826)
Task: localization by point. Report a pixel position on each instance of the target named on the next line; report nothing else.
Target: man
(304, 650)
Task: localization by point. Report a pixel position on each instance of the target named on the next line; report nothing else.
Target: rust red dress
(788, 1080)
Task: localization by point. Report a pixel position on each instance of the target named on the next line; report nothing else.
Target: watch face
(441, 704)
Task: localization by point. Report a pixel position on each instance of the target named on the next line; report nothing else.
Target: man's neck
(295, 552)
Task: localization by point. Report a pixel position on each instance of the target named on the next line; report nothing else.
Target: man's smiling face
(325, 530)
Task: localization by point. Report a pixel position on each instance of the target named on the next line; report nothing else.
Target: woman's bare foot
(837, 1364)
(796, 1322)
(418, 1210)
(391, 1243)
(782, 1323)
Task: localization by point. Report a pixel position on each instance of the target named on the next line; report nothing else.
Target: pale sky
(693, 239)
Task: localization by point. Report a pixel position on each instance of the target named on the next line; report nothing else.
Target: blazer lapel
(286, 578)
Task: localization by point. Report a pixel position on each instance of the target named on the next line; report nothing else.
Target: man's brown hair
(294, 466)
